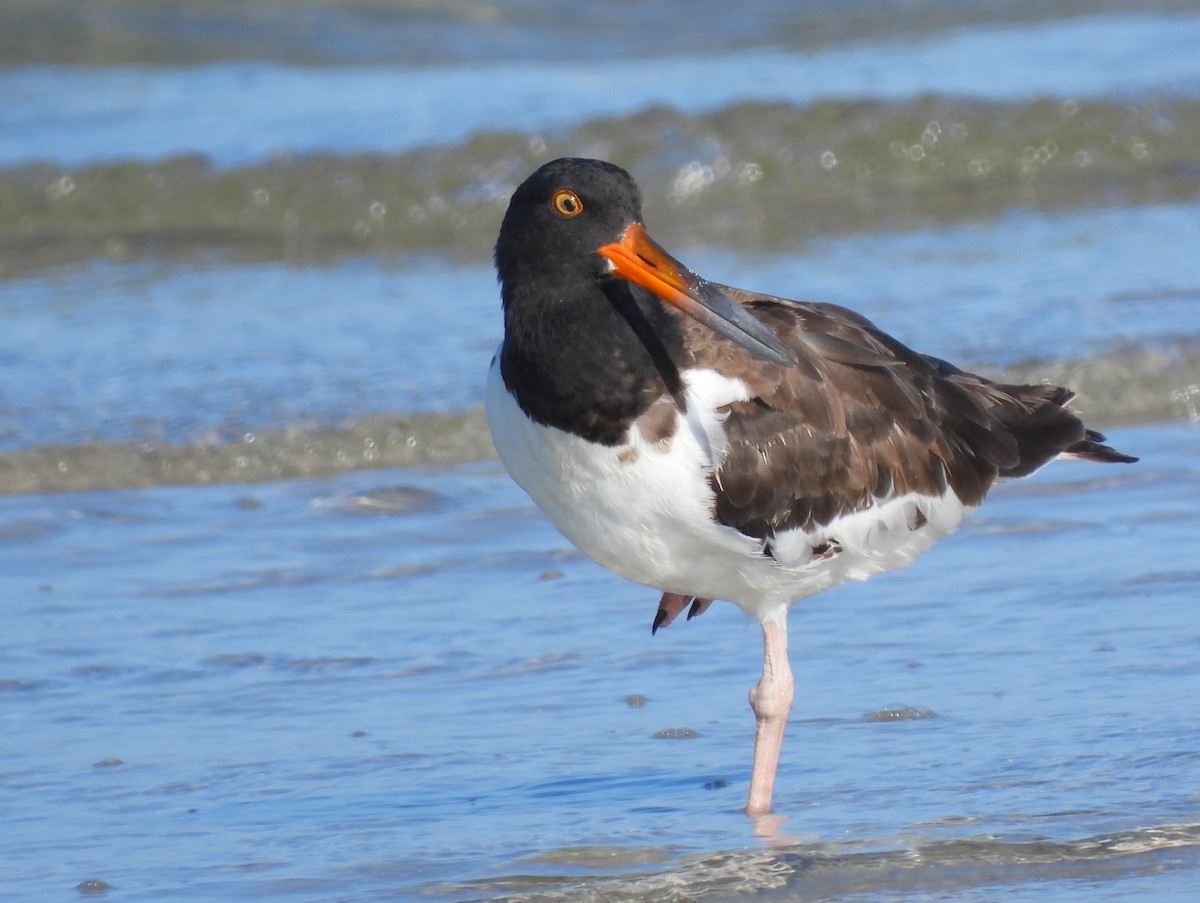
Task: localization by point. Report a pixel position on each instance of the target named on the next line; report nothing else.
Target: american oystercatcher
(727, 444)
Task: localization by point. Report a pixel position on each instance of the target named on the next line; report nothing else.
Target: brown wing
(863, 417)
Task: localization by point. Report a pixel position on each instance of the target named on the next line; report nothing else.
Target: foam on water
(753, 177)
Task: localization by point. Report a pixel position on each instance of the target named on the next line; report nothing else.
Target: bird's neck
(592, 360)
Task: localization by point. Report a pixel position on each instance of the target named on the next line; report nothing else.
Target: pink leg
(771, 701)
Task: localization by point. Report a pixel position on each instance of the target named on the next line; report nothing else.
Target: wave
(1135, 385)
(756, 177)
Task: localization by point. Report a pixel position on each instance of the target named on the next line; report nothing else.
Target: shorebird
(716, 443)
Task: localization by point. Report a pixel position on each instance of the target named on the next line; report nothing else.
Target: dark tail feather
(1045, 429)
(1090, 448)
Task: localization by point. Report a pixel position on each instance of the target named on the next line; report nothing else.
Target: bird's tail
(1045, 429)
(1091, 448)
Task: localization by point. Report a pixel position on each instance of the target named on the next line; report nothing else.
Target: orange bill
(643, 261)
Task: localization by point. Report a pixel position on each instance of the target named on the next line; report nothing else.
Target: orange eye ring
(566, 203)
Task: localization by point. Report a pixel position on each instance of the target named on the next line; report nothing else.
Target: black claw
(694, 610)
(659, 617)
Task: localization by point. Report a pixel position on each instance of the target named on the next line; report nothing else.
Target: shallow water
(189, 352)
(222, 681)
(405, 683)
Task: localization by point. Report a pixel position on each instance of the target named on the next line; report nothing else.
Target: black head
(575, 226)
(561, 215)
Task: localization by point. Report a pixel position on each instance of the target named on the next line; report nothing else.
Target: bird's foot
(671, 604)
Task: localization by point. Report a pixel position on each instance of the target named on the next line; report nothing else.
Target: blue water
(172, 352)
(160, 351)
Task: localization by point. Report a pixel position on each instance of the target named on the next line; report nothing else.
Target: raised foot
(671, 604)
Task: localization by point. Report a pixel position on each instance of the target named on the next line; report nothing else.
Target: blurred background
(245, 273)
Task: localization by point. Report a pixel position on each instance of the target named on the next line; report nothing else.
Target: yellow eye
(566, 202)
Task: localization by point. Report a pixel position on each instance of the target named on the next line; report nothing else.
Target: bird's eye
(566, 202)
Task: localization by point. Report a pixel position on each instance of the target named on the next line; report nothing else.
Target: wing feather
(861, 418)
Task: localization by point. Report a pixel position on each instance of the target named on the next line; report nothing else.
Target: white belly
(645, 511)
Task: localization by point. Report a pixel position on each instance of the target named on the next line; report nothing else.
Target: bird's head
(575, 223)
